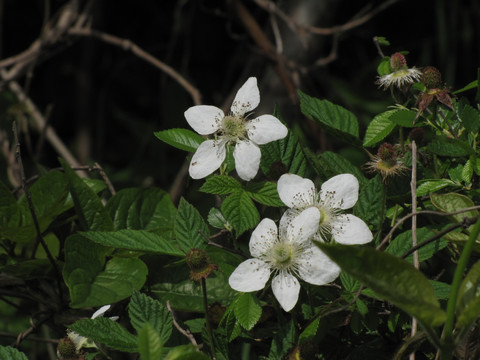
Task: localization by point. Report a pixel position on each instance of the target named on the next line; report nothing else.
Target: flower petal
(247, 159)
(285, 221)
(263, 237)
(250, 275)
(340, 191)
(295, 191)
(247, 98)
(316, 268)
(350, 230)
(204, 119)
(208, 158)
(100, 311)
(265, 128)
(286, 288)
(304, 225)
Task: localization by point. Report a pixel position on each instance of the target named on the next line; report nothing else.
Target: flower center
(233, 127)
(282, 255)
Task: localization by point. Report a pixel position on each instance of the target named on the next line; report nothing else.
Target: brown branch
(416, 263)
(128, 45)
(186, 333)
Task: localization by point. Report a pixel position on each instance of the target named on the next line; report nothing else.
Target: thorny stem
(448, 344)
(207, 318)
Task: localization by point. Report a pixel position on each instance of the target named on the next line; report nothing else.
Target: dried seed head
(431, 77)
(199, 264)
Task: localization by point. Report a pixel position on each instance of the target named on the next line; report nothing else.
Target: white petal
(266, 128)
(204, 119)
(341, 191)
(304, 225)
(100, 311)
(316, 268)
(250, 275)
(285, 221)
(247, 98)
(350, 230)
(295, 191)
(263, 237)
(208, 158)
(247, 159)
(286, 288)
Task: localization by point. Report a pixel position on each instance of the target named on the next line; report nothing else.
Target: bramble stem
(207, 318)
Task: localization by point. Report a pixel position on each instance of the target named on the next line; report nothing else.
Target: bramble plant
(303, 256)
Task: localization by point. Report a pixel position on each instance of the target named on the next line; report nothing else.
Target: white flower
(337, 194)
(399, 78)
(289, 254)
(83, 342)
(236, 129)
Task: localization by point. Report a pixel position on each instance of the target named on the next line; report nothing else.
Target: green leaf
(403, 242)
(145, 310)
(9, 209)
(282, 156)
(135, 240)
(247, 310)
(426, 187)
(216, 219)
(106, 332)
(186, 352)
(335, 119)
(282, 342)
(189, 227)
(442, 290)
(329, 164)
(469, 86)
(468, 303)
(182, 139)
(393, 279)
(143, 209)
(452, 202)
(369, 205)
(310, 331)
(471, 118)
(91, 282)
(91, 213)
(240, 212)
(149, 343)
(10, 353)
(220, 185)
(379, 128)
(467, 172)
(265, 193)
(384, 67)
(403, 117)
(449, 147)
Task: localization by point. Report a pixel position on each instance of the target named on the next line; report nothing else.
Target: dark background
(105, 102)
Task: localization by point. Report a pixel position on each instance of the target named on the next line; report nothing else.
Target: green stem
(447, 335)
(207, 318)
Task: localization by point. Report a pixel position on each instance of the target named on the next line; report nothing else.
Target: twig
(105, 178)
(186, 333)
(128, 45)
(28, 196)
(33, 327)
(422, 212)
(30, 338)
(416, 263)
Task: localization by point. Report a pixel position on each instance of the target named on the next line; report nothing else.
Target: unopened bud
(398, 62)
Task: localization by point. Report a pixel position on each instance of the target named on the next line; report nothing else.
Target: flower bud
(66, 349)
(398, 62)
(431, 77)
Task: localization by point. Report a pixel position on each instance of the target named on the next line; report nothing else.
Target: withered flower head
(386, 162)
(199, 264)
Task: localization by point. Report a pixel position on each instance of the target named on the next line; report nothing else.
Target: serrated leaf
(149, 343)
(393, 279)
(216, 219)
(384, 67)
(135, 240)
(220, 185)
(142, 310)
(189, 227)
(91, 213)
(467, 172)
(449, 147)
(186, 352)
(471, 118)
(469, 86)
(106, 332)
(282, 156)
(247, 310)
(432, 185)
(333, 118)
(240, 212)
(143, 209)
(10, 353)
(91, 282)
(452, 202)
(282, 341)
(309, 332)
(403, 242)
(468, 303)
(265, 193)
(442, 290)
(378, 129)
(370, 204)
(182, 139)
